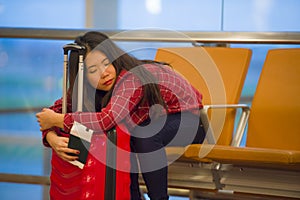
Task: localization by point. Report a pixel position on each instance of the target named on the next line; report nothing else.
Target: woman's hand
(47, 118)
(60, 146)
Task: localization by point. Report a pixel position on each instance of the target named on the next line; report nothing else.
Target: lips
(108, 82)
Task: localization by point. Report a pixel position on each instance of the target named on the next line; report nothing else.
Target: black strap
(111, 161)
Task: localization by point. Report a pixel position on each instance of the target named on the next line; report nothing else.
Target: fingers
(38, 116)
(71, 151)
(69, 157)
(65, 140)
(43, 119)
(68, 154)
(42, 128)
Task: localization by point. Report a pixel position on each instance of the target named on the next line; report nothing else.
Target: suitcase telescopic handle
(74, 47)
(81, 51)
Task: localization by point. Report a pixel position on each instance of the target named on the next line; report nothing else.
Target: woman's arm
(57, 107)
(127, 95)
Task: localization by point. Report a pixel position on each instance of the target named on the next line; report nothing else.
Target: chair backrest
(218, 73)
(274, 120)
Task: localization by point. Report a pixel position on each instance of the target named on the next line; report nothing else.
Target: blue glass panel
(43, 14)
(261, 15)
(200, 15)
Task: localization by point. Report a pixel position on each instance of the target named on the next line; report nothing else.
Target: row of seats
(269, 164)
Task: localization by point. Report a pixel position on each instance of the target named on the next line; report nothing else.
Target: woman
(158, 106)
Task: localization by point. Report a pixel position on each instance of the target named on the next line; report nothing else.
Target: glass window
(257, 15)
(199, 15)
(43, 14)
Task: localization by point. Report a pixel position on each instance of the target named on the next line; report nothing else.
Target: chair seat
(246, 156)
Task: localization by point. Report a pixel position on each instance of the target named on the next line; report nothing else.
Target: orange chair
(270, 162)
(219, 74)
(274, 120)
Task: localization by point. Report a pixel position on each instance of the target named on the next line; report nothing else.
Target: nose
(104, 74)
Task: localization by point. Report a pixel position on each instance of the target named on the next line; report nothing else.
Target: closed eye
(92, 69)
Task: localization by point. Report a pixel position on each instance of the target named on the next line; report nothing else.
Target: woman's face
(100, 73)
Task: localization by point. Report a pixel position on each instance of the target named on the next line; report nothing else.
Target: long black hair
(121, 60)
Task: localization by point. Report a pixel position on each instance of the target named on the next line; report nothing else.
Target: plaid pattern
(125, 104)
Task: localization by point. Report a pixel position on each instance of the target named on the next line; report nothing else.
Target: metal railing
(25, 179)
(159, 35)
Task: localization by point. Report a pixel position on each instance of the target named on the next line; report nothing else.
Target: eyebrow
(105, 59)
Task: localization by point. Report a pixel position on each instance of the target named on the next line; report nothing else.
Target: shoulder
(125, 75)
(126, 79)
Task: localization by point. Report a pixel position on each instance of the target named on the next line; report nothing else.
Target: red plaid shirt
(125, 106)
